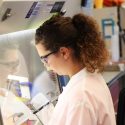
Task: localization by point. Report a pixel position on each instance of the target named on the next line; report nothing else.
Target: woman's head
(79, 34)
(9, 61)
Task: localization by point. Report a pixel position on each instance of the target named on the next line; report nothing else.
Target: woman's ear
(65, 52)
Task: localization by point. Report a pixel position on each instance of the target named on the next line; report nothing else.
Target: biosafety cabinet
(18, 21)
(16, 15)
(21, 70)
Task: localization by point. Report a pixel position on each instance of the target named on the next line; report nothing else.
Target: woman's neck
(75, 69)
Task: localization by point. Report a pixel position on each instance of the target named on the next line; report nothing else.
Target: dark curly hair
(81, 33)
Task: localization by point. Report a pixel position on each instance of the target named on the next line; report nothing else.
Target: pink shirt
(86, 100)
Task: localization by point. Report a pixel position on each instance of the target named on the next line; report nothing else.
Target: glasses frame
(44, 59)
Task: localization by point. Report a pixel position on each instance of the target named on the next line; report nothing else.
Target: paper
(39, 100)
(11, 106)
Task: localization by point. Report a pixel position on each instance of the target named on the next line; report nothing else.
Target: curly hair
(81, 33)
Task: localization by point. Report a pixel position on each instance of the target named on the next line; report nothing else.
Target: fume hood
(16, 15)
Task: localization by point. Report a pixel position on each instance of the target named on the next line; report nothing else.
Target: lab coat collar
(81, 73)
(79, 76)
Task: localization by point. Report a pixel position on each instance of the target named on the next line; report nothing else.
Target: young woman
(74, 47)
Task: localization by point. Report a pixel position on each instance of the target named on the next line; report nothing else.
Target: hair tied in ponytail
(78, 22)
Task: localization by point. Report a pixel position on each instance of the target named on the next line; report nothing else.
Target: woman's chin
(57, 72)
(60, 74)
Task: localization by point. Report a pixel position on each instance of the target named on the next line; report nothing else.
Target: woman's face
(8, 65)
(54, 61)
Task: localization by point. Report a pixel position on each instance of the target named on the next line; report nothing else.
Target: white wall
(105, 13)
(73, 7)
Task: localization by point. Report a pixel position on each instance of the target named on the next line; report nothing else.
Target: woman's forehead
(41, 49)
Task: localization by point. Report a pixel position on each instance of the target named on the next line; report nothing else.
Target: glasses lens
(44, 60)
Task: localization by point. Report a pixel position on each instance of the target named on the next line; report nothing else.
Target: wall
(111, 12)
(73, 7)
(105, 13)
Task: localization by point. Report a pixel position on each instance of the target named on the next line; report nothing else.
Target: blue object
(109, 25)
(63, 80)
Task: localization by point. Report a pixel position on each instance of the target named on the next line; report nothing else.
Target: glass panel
(23, 73)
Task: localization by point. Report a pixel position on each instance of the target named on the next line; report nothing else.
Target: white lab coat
(86, 100)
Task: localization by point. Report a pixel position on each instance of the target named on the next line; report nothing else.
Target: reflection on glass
(19, 57)
(9, 61)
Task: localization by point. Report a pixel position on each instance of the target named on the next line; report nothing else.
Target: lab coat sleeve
(81, 114)
(45, 113)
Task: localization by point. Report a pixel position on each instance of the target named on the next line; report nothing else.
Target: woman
(74, 47)
(9, 61)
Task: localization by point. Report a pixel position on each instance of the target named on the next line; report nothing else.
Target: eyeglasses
(44, 59)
